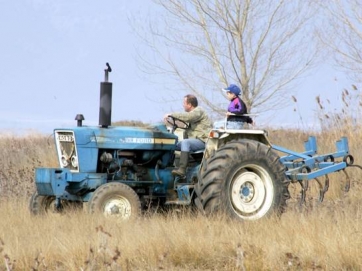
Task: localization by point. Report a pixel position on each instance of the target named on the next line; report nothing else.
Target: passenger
(196, 133)
(236, 109)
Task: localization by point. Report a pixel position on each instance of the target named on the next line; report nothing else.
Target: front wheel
(115, 199)
(40, 205)
(244, 179)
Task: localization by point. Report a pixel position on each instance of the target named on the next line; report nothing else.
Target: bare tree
(343, 35)
(260, 45)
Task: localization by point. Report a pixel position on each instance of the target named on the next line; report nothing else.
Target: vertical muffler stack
(105, 106)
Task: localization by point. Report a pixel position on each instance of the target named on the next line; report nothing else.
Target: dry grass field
(319, 236)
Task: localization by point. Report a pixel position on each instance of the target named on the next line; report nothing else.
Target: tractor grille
(66, 149)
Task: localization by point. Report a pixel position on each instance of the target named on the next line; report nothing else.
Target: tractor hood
(121, 137)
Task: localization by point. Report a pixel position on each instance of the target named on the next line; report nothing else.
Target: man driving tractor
(196, 132)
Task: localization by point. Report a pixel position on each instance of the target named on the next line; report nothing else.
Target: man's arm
(192, 116)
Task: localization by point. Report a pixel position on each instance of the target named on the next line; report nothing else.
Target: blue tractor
(123, 171)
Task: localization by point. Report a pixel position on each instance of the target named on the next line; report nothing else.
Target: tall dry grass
(329, 238)
(18, 158)
(319, 236)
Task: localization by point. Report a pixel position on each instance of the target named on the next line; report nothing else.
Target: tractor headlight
(74, 161)
(64, 161)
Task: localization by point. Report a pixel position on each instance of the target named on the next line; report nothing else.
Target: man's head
(234, 89)
(190, 102)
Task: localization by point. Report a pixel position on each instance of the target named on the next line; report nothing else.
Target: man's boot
(184, 159)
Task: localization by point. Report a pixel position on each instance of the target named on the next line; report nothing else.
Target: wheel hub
(114, 210)
(118, 207)
(248, 192)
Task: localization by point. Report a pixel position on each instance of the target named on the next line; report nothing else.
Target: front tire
(41, 205)
(117, 200)
(244, 179)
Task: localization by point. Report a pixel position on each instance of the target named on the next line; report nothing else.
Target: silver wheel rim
(251, 192)
(119, 207)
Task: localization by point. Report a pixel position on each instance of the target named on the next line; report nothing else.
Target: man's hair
(191, 99)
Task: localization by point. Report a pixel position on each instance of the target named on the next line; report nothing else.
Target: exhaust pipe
(105, 105)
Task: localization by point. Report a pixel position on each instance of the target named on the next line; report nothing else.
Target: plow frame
(305, 166)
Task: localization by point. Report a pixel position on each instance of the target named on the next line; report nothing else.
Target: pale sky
(53, 56)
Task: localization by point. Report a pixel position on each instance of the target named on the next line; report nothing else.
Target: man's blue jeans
(190, 145)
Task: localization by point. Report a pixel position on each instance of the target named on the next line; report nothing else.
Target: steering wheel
(173, 121)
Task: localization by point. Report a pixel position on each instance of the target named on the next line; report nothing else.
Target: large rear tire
(117, 200)
(243, 179)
